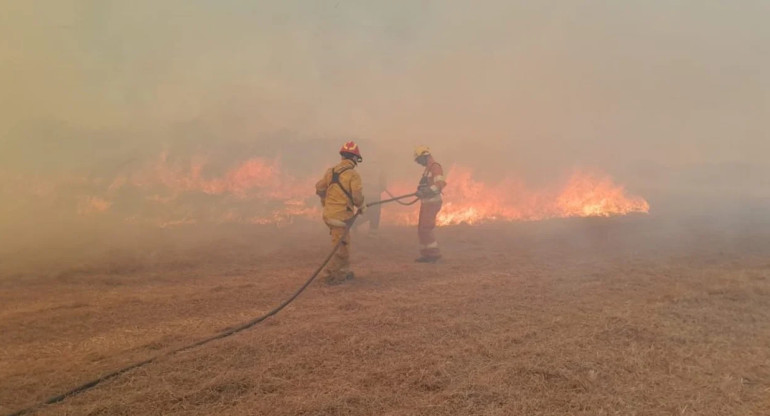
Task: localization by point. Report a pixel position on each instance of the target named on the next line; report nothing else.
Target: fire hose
(246, 325)
(398, 199)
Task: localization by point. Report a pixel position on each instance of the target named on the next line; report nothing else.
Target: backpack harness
(336, 180)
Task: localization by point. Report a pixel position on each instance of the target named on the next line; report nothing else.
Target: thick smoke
(669, 98)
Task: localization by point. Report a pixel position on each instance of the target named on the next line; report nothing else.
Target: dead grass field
(622, 316)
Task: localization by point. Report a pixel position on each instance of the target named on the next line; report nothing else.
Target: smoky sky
(643, 90)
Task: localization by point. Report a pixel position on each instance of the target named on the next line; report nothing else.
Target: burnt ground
(623, 316)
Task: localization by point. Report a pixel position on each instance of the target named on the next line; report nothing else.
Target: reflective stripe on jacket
(434, 176)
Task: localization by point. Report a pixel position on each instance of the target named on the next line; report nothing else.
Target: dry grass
(593, 317)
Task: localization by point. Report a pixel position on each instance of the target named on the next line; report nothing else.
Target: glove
(424, 192)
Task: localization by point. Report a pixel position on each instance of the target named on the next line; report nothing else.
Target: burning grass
(171, 193)
(582, 317)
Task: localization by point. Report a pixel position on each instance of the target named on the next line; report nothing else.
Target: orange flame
(592, 196)
(265, 193)
(259, 191)
(92, 205)
(469, 201)
(254, 177)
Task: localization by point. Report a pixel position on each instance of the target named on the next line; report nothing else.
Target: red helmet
(350, 149)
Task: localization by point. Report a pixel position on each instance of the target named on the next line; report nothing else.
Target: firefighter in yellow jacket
(342, 196)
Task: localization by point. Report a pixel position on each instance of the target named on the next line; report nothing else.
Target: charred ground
(638, 315)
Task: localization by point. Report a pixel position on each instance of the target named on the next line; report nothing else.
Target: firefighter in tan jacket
(429, 192)
(342, 196)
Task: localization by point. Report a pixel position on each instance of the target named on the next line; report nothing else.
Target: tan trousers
(339, 264)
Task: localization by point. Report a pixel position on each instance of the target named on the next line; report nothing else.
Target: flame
(93, 205)
(470, 201)
(259, 191)
(593, 196)
(254, 177)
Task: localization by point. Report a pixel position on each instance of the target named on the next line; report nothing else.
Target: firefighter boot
(428, 259)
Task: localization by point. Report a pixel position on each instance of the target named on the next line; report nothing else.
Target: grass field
(622, 316)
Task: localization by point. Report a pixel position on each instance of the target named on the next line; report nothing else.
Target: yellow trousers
(339, 264)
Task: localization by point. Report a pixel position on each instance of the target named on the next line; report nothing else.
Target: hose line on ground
(246, 325)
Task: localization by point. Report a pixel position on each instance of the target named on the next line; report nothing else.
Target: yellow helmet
(421, 150)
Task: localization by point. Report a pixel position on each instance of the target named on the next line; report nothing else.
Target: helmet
(350, 150)
(421, 150)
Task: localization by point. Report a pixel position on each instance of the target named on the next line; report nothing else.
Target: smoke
(669, 98)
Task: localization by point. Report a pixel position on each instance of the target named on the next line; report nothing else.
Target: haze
(665, 97)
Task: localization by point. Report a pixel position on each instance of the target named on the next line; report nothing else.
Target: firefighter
(429, 192)
(342, 196)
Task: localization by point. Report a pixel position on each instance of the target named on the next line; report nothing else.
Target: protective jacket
(433, 179)
(340, 190)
